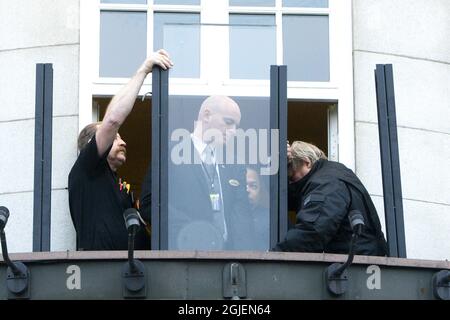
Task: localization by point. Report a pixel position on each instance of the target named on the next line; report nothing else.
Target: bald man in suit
(208, 204)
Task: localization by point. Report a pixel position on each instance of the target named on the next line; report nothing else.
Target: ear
(308, 163)
(206, 115)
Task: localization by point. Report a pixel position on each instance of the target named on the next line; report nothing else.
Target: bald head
(218, 104)
(219, 113)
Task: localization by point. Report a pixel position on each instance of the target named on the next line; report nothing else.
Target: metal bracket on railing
(336, 275)
(234, 281)
(18, 283)
(337, 282)
(441, 285)
(134, 280)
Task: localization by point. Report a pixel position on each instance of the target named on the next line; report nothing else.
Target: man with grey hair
(323, 192)
(96, 198)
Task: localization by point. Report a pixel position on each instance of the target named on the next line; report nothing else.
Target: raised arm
(122, 103)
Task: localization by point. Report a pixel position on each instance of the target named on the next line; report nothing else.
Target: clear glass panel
(218, 193)
(306, 47)
(252, 45)
(176, 33)
(123, 42)
(125, 1)
(252, 3)
(224, 206)
(178, 2)
(306, 3)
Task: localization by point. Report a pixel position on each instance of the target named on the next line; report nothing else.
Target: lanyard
(210, 178)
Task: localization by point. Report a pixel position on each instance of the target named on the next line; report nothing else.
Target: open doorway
(136, 132)
(307, 121)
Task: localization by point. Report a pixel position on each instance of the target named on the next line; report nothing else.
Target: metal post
(282, 173)
(155, 147)
(278, 182)
(164, 162)
(43, 157)
(390, 164)
(159, 147)
(274, 183)
(395, 162)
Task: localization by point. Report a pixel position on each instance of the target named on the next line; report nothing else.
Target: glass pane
(181, 40)
(252, 45)
(306, 47)
(218, 166)
(306, 3)
(223, 205)
(123, 42)
(178, 2)
(252, 3)
(125, 1)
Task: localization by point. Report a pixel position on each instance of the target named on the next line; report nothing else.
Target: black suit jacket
(190, 214)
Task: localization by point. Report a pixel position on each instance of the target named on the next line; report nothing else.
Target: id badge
(215, 201)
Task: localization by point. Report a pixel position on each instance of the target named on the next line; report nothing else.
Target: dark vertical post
(395, 162)
(43, 157)
(156, 153)
(391, 230)
(278, 182)
(390, 163)
(164, 161)
(160, 131)
(38, 147)
(282, 173)
(274, 183)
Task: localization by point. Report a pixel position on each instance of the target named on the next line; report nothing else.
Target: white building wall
(414, 36)
(44, 31)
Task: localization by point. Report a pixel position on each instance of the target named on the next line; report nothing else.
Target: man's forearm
(118, 110)
(122, 103)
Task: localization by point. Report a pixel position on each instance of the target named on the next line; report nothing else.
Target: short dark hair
(87, 134)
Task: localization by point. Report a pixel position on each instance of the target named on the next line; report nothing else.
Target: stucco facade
(45, 31)
(412, 36)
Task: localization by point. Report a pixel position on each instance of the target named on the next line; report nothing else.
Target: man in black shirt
(96, 200)
(322, 193)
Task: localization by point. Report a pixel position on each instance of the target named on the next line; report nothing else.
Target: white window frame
(339, 90)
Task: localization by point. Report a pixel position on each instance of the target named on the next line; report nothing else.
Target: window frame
(339, 90)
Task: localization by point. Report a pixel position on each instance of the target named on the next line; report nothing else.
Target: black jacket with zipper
(322, 200)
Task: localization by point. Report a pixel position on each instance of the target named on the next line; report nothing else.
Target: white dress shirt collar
(200, 146)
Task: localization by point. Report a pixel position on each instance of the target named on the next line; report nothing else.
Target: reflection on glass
(125, 1)
(252, 3)
(252, 45)
(177, 2)
(123, 42)
(175, 33)
(306, 3)
(212, 142)
(306, 47)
